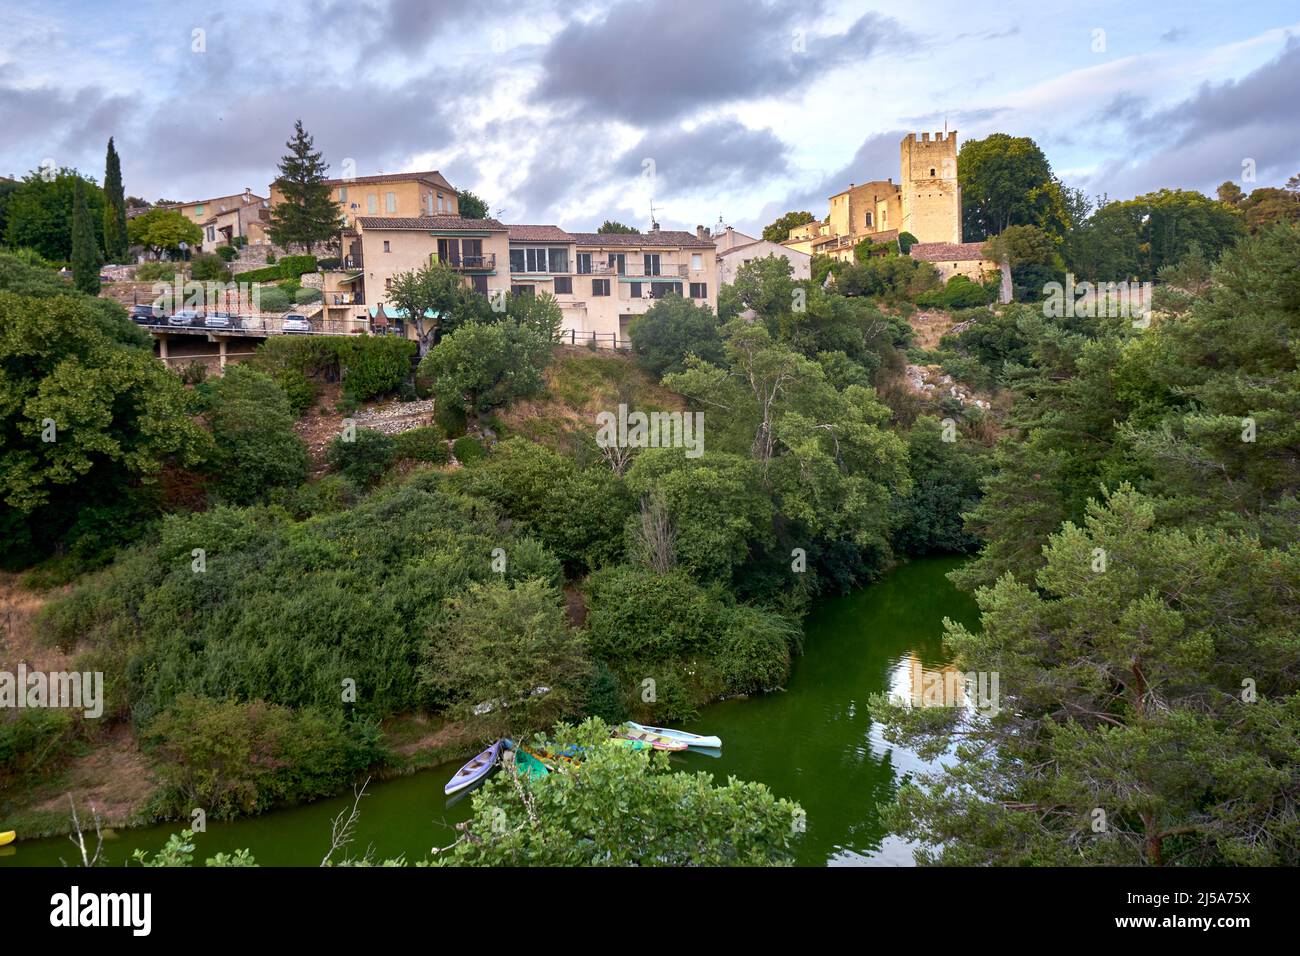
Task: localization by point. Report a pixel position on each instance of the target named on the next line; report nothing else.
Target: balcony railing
(634, 271)
(487, 260)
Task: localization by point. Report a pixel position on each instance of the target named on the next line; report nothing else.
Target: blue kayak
(475, 770)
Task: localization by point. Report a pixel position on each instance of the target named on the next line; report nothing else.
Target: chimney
(701, 233)
(654, 227)
(248, 194)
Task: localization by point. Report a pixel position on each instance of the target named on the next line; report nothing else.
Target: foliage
(435, 301)
(208, 266)
(86, 258)
(235, 758)
(256, 448)
(497, 645)
(273, 300)
(31, 741)
(179, 851)
(471, 206)
(609, 226)
(945, 485)
(365, 458)
(672, 329)
(427, 443)
(480, 366)
(306, 214)
(114, 221)
(539, 312)
(163, 231)
(118, 416)
(779, 229)
(467, 449)
(625, 808)
(1007, 181)
(39, 213)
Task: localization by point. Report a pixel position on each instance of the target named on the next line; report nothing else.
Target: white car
(218, 320)
(293, 322)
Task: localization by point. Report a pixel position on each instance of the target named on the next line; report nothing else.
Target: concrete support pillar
(221, 350)
(162, 346)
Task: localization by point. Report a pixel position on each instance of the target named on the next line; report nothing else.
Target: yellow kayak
(7, 837)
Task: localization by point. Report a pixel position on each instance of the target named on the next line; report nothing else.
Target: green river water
(815, 743)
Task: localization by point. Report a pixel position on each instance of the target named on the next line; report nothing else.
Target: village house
(400, 195)
(734, 249)
(227, 218)
(955, 258)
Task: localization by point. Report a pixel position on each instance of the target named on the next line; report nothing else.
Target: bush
(194, 373)
(363, 460)
(228, 253)
(672, 329)
(291, 267)
(156, 271)
(468, 449)
(482, 365)
(270, 258)
(265, 274)
(31, 740)
(274, 300)
(236, 758)
(373, 365)
(306, 296)
(209, 267)
(423, 444)
(252, 428)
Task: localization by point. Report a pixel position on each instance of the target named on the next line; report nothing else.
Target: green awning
(649, 279)
(392, 312)
(351, 278)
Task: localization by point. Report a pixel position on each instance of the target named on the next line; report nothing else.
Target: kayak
(630, 744)
(7, 837)
(475, 770)
(691, 740)
(529, 766)
(657, 741)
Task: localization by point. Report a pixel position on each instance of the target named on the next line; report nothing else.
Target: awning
(393, 312)
(351, 278)
(644, 279)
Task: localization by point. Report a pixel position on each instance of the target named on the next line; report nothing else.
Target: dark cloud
(714, 154)
(646, 63)
(56, 124)
(1205, 139)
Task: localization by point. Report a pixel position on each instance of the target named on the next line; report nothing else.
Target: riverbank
(816, 743)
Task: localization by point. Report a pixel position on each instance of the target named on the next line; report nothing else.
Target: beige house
(227, 218)
(731, 256)
(377, 248)
(953, 259)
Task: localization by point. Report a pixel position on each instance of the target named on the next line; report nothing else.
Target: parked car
(293, 322)
(218, 320)
(183, 317)
(144, 314)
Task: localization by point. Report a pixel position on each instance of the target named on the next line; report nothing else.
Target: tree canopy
(307, 214)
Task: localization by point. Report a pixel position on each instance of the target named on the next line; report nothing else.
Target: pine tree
(85, 246)
(115, 242)
(307, 214)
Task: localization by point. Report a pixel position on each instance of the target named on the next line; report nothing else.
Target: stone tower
(931, 196)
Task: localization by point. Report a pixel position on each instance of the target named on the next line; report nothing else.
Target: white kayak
(691, 740)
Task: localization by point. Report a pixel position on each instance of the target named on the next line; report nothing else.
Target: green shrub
(274, 300)
(291, 267)
(363, 460)
(265, 274)
(31, 740)
(306, 296)
(298, 389)
(468, 449)
(236, 758)
(252, 428)
(228, 253)
(332, 493)
(194, 373)
(156, 271)
(209, 267)
(452, 418)
(634, 613)
(270, 258)
(372, 365)
(423, 444)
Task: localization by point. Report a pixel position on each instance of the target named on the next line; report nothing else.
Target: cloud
(713, 155)
(647, 63)
(54, 124)
(1206, 138)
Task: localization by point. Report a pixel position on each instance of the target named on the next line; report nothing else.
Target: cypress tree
(307, 214)
(85, 246)
(115, 241)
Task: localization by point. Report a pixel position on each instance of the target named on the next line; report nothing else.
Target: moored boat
(8, 837)
(691, 740)
(475, 770)
(657, 741)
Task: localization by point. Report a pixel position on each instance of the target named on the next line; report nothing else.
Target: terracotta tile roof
(538, 234)
(757, 242)
(431, 176)
(649, 240)
(949, 251)
(252, 198)
(429, 223)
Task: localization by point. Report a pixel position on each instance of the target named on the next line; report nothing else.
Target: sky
(572, 113)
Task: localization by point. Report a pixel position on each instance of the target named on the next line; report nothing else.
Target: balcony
(482, 263)
(665, 272)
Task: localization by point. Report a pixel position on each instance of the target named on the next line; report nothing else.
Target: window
(699, 290)
(212, 233)
(599, 287)
(428, 203)
(343, 194)
(559, 259)
(441, 207)
(652, 264)
(660, 289)
(386, 248)
(516, 260)
(697, 261)
(564, 285)
(635, 290)
(868, 223)
(388, 283)
(479, 282)
(198, 210)
(618, 262)
(539, 260)
(521, 290)
(390, 202)
(372, 204)
(584, 263)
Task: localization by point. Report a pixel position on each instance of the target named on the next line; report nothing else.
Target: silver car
(183, 317)
(218, 320)
(293, 322)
